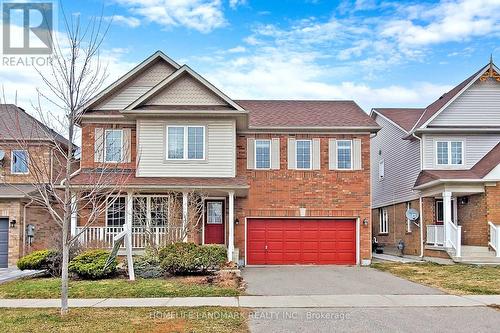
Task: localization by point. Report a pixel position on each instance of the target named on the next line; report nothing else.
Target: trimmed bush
(183, 258)
(147, 266)
(90, 265)
(36, 260)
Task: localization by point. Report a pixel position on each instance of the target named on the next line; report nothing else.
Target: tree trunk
(64, 273)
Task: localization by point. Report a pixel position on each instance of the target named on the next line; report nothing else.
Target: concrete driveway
(328, 280)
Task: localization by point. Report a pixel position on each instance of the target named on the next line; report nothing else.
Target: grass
(116, 288)
(455, 279)
(99, 320)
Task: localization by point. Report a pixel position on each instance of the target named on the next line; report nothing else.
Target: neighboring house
(443, 161)
(25, 144)
(285, 181)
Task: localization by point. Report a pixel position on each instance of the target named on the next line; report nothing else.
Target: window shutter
(316, 154)
(250, 153)
(332, 154)
(356, 154)
(275, 154)
(127, 145)
(291, 153)
(99, 145)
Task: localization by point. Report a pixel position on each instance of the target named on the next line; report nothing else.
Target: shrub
(147, 266)
(182, 258)
(90, 265)
(36, 260)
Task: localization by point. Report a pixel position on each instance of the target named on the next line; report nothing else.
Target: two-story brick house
(443, 161)
(286, 182)
(29, 155)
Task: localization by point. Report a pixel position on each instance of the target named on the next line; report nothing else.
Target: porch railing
(435, 235)
(455, 239)
(141, 236)
(494, 240)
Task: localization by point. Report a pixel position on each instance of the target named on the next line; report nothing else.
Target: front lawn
(116, 288)
(454, 279)
(97, 320)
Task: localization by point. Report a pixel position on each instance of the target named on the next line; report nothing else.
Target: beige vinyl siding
(401, 163)
(131, 91)
(479, 105)
(186, 90)
(220, 150)
(475, 147)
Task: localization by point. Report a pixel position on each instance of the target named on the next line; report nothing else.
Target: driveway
(328, 280)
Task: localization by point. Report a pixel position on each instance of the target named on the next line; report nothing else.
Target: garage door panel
(296, 241)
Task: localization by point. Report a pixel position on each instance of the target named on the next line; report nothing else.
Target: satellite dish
(2, 155)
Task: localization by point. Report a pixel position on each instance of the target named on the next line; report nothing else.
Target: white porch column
(74, 214)
(184, 216)
(128, 210)
(230, 241)
(447, 207)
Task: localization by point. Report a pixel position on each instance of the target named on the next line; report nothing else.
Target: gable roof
(405, 118)
(162, 85)
(134, 72)
(477, 172)
(437, 106)
(17, 124)
(306, 114)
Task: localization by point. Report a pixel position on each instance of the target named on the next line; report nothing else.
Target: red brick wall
(472, 217)
(88, 137)
(492, 195)
(322, 192)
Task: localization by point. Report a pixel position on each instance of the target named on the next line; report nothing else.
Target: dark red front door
(296, 241)
(214, 221)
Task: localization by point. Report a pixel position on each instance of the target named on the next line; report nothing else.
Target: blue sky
(379, 53)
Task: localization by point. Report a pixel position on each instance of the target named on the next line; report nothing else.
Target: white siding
(137, 87)
(220, 150)
(402, 165)
(186, 90)
(475, 146)
(479, 105)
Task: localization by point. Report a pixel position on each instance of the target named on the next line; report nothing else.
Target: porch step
(479, 255)
(473, 250)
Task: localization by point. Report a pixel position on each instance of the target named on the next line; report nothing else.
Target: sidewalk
(10, 274)
(312, 301)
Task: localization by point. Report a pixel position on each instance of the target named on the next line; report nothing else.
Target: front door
(214, 221)
(4, 242)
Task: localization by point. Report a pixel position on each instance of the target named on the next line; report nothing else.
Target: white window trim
(310, 154)
(337, 157)
(383, 221)
(107, 207)
(255, 153)
(106, 145)
(408, 221)
(448, 144)
(12, 162)
(186, 135)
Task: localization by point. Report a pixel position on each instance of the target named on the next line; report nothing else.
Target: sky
(378, 53)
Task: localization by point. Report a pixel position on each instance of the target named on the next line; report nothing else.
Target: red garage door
(296, 241)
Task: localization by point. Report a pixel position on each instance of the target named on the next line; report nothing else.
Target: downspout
(421, 206)
(24, 225)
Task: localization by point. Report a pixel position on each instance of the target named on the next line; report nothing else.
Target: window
(440, 211)
(344, 154)
(303, 154)
(384, 220)
(19, 162)
(214, 212)
(449, 152)
(113, 151)
(150, 211)
(185, 142)
(381, 169)
(159, 211)
(262, 154)
(408, 221)
(115, 214)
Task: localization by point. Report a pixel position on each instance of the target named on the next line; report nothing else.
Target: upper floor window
(449, 152)
(113, 151)
(19, 162)
(185, 142)
(344, 154)
(262, 154)
(303, 154)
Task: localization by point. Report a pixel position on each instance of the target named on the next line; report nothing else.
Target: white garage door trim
(309, 218)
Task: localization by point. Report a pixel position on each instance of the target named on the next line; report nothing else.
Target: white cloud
(237, 49)
(235, 3)
(201, 15)
(128, 21)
